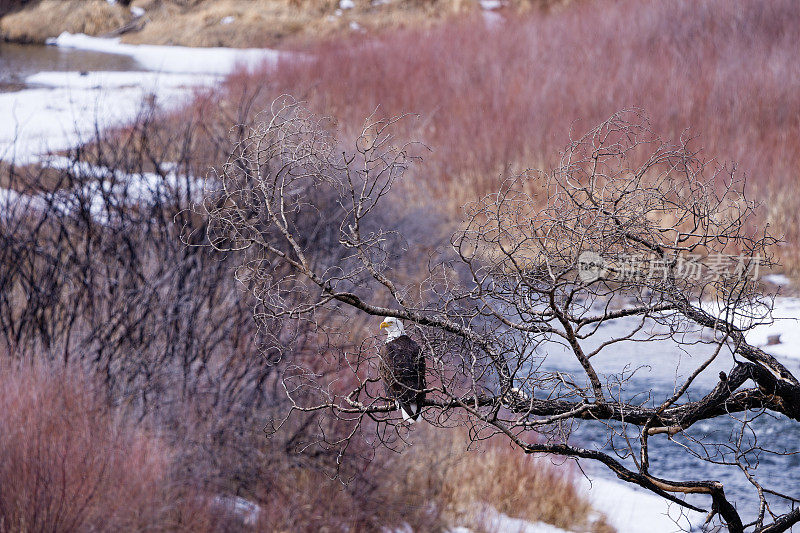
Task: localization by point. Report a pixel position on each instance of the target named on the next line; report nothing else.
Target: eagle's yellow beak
(384, 325)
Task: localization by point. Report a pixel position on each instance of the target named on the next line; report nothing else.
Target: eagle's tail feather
(406, 416)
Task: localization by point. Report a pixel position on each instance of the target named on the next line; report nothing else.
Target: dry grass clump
(439, 474)
(260, 23)
(256, 23)
(433, 485)
(238, 23)
(308, 500)
(49, 18)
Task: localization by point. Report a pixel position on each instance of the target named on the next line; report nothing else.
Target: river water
(17, 62)
(53, 98)
(659, 367)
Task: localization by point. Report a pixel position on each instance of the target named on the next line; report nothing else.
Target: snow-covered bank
(784, 332)
(135, 187)
(60, 110)
(635, 510)
(102, 190)
(776, 331)
(496, 522)
(490, 520)
(627, 509)
(173, 59)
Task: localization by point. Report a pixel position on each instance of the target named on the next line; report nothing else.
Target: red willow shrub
(498, 96)
(68, 462)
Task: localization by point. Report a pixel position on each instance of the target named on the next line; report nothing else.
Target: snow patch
(489, 519)
(138, 186)
(246, 510)
(346, 4)
(503, 523)
(785, 329)
(492, 19)
(777, 279)
(174, 59)
(102, 185)
(776, 332)
(636, 511)
(62, 109)
(489, 5)
(227, 20)
(137, 11)
(148, 81)
(13, 203)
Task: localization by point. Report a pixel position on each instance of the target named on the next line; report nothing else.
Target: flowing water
(17, 62)
(661, 365)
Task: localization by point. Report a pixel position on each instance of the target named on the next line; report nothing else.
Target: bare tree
(94, 274)
(629, 246)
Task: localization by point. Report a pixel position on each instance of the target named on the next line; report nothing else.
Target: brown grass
(7, 6)
(270, 23)
(438, 470)
(256, 23)
(433, 485)
(49, 18)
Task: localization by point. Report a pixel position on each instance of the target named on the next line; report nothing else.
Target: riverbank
(236, 23)
(54, 110)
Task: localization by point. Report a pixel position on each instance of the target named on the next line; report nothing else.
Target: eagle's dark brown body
(403, 372)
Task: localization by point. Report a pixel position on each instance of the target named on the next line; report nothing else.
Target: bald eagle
(402, 369)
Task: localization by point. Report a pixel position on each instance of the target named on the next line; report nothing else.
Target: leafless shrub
(516, 290)
(69, 462)
(94, 274)
(94, 269)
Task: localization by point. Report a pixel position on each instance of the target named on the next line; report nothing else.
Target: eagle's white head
(394, 328)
